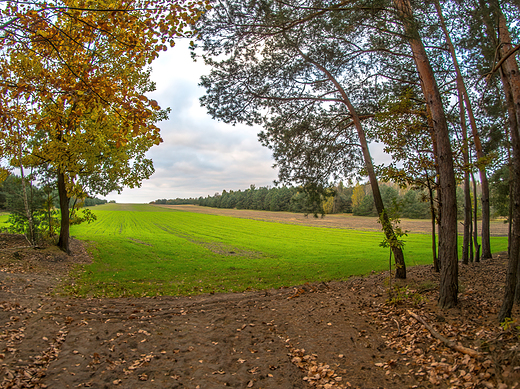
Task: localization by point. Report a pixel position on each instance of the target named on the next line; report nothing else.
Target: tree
(510, 75)
(276, 75)
(82, 74)
(358, 195)
(405, 129)
(447, 185)
(500, 187)
(466, 106)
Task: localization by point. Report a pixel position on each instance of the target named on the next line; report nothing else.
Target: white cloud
(200, 156)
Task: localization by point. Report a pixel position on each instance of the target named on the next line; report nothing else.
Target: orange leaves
(81, 75)
(154, 104)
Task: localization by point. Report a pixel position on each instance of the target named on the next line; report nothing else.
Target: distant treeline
(413, 204)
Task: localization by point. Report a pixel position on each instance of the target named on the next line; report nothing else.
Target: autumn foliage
(74, 77)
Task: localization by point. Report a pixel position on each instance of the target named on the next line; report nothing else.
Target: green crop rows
(143, 250)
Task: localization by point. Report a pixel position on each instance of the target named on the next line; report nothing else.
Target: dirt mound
(326, 335)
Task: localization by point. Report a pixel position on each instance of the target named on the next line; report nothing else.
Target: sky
(199, 156)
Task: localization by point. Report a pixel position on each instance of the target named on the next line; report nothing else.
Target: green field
(145, 250)
(4, 216)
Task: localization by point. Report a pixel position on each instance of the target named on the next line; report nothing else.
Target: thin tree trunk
(463, 94)
(475, 212)
(467, 241)
(436, 265)
(28, 211)
(467, 191)
(510, 76)
(510, 205)
(510, 226)
(63, 242)
(448, 202)
(514, 242)
(400, 266)
(471, 253)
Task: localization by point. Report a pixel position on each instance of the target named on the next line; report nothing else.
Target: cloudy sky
(199, 156)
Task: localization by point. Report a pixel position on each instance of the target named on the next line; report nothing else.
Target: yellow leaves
(86, 86)
(4, 173)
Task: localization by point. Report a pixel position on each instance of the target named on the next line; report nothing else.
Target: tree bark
(466, 243)
(510, 76)
(63, 242)
(436, 265)
(475, 225)
(448, 289)
(28, 211)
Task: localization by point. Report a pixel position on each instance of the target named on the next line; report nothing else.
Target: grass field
(144, 250)
(4, 216)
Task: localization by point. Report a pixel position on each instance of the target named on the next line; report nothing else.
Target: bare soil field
(420, 226)
(352, 334)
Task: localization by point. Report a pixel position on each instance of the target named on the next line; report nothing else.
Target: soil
(361, 333)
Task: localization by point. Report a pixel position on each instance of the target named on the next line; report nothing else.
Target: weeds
(399, 295)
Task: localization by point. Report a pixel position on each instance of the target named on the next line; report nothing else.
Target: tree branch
(499, 64)
(449, 343)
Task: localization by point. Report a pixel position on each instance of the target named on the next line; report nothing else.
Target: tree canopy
(74, 82)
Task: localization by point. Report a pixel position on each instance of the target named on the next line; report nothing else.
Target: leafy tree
(365, 207)
(358, 194)
(74, 79)
(273, 73)
(500, 188)
(19, 207)
(414, 205)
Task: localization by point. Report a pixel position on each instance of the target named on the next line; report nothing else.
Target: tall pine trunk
(467, 190)
(436, 265)
(63, 242)
(475, 219)
(510, 76)
(448, 289)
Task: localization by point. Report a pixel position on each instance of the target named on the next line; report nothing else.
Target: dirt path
(345, 220)
(336, 335)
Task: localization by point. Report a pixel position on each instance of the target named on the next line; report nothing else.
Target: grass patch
(141, 250)
(4, 217)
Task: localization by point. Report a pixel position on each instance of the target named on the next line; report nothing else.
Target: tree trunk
(466, 242)
(28, 211)
(510, 76)
(448, 202)
(400, 266)
(471, 253)
(63, 242)
(463, 95)
(514, 244)
(475, 214)
(436, 265)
